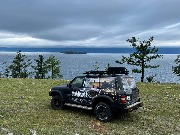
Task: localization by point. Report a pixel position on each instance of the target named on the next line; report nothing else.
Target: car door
(82, 91)
(78, 91)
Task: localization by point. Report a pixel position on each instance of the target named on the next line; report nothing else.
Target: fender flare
(56, 92)
(101, 98)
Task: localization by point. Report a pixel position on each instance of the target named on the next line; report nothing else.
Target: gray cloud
(95, 22)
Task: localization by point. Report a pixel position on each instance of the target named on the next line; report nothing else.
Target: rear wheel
(103, 112)
(57, 102)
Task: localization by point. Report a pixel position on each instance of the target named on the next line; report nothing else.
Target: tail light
(123, 99)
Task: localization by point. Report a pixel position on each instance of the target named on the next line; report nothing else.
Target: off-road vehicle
(104, 92)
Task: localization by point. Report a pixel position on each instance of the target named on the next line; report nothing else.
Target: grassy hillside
(25, 109)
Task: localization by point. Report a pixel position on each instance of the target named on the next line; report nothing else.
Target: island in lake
(73, 52)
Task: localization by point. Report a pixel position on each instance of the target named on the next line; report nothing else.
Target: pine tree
(53, 66)
(142, 56)
(176, 69)
(19, 66)
(40, 68)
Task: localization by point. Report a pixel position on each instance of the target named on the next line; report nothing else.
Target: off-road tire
(103, 112)
(57, 102)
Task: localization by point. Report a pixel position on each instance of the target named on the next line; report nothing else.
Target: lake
(75, 64)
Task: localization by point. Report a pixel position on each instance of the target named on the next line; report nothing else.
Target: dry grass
(25, 109)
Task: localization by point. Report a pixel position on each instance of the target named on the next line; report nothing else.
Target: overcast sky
(102, 23)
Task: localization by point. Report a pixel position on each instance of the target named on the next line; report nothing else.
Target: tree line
(50, 68)
(42, 68)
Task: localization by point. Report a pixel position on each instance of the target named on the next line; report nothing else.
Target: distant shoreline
(14, 52)
(162, 50)
(73, 52)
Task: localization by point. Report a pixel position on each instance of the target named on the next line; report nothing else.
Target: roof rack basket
(110, 71)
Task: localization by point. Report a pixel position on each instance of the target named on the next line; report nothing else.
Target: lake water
(75, 64)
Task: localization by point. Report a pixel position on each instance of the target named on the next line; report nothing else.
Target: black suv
(104, 92)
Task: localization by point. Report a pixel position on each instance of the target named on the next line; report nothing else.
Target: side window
(77, 82)
(107, 82)
(91, 82)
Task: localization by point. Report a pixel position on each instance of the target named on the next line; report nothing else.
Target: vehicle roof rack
(110, 71)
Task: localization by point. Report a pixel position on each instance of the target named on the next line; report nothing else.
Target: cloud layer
(103, 23)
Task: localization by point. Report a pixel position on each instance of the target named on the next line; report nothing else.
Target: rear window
(129, 82)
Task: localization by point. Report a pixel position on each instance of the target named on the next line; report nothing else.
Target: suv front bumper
(134, 106)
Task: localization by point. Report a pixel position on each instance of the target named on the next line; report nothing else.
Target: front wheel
(57, 102)
(103, 112)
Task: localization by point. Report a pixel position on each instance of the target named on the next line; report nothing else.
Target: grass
(25, 110)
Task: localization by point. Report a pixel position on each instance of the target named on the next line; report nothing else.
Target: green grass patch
(25, 109)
